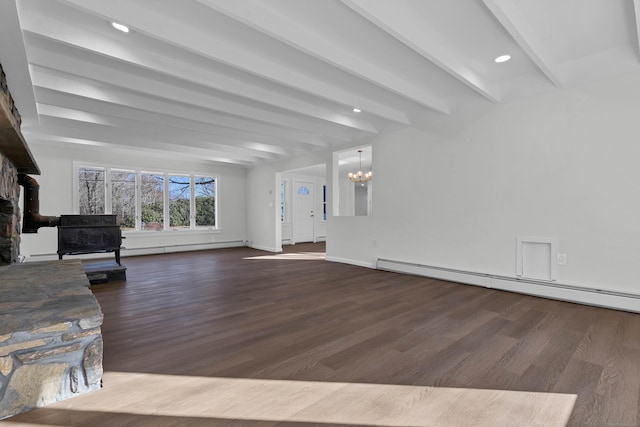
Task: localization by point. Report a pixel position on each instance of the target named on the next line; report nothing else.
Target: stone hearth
(50, 340)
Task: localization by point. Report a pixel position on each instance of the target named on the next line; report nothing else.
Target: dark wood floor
(231, 313)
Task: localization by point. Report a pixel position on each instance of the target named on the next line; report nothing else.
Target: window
(148, 201)
(91, 186)
(123, 197)
(151, 201)
(283, 200)
(324, 202)
(179, 201)
(205, 201)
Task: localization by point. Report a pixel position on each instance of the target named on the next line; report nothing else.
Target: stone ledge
(50, 336)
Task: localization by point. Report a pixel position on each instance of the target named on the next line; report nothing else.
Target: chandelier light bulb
(359, 176)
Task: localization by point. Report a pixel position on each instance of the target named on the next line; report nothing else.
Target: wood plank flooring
(215, 317)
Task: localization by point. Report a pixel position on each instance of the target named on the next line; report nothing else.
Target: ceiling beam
(159, 66)
(52, 142)
(51, 125)
(261, 16)
(222, 135)
(241, 53)
(140, 131)
(400, 24)
(64, 83)
(507, 13)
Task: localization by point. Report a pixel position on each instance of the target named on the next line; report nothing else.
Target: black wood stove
(82, 234)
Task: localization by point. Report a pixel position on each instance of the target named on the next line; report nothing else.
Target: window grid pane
(123, 198)
(205, 201)
(324, 202)
(179, 201)
(152, 201)
(92, 191)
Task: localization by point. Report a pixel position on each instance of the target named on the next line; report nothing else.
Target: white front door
(303, 212)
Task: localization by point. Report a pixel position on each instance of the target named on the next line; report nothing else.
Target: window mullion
(167, 201)
(108, 209)
(138, 202)
(192, 202)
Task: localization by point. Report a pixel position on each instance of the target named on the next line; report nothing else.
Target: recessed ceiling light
(120, 27)
(357, 110)
(502, 58)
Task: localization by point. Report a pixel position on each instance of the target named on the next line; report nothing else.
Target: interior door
(303, 212)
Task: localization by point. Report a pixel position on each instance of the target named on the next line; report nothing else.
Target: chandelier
(359, 176)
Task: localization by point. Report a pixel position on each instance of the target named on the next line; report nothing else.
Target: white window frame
(76, 184)
(165, 199)
(194, 225)
(287, 196)
(108, 203)
(77, 165)
(323, 203)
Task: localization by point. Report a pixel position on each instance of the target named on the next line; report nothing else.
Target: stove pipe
(32, 220)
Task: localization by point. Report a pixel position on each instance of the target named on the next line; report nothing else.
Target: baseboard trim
(350, 261)
(151, 250)
(553, 290)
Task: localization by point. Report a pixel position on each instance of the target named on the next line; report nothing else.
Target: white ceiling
(251, 81)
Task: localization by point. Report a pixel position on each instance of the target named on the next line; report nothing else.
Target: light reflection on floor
(166, 398)
(297, 256)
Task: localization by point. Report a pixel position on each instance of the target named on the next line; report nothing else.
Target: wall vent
(535, 258)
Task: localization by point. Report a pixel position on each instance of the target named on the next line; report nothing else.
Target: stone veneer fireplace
(14, 154)
(9, 212)
(50, 338)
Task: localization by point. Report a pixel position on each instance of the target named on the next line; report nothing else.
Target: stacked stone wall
(50, 338)
(9, 212)
(9, 187)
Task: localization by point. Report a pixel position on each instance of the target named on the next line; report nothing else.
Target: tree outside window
(152, 201)
(91, 185)
(123, 197)
(190, 200)
(205, 201)
(179, 201)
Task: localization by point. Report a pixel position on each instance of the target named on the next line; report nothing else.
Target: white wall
(56, 198)
(263, 209)
(346, 197)
(562, 165)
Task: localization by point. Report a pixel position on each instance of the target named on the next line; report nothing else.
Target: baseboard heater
(185, 247)
(155, 250)
(548, 289)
